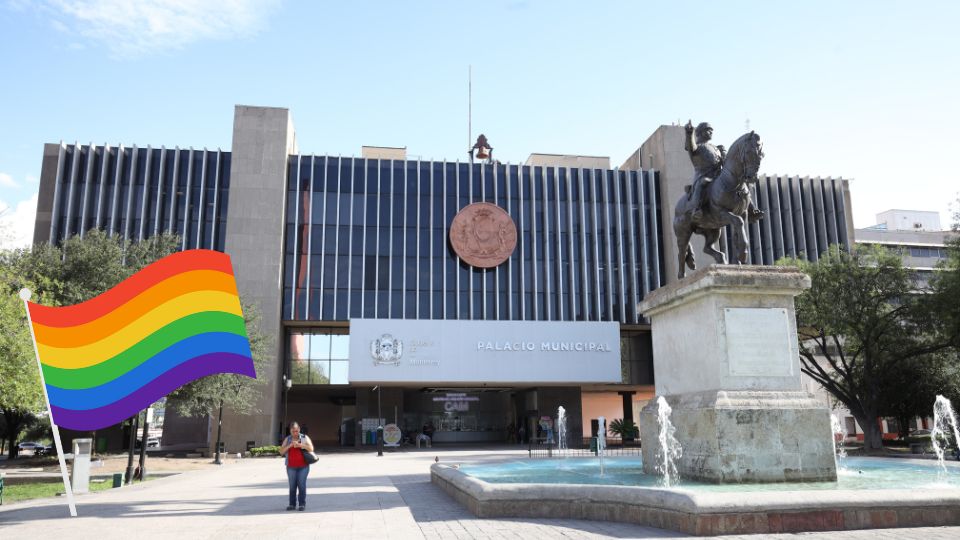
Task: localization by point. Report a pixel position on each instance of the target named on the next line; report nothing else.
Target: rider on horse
(707, 163)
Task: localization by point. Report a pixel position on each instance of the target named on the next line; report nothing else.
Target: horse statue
(726, 202)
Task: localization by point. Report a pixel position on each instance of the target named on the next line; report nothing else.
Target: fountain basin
(705, 512)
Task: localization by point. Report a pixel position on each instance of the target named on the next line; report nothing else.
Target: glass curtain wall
(369, 238)
(315, 357)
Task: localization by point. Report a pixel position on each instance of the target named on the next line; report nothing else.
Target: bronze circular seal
(483, 235)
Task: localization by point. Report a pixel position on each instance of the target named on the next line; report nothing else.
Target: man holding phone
(294, 445)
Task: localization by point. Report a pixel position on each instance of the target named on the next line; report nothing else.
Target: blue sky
(861, 90)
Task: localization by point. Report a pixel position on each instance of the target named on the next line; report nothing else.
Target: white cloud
(16, 223)
(7, 181)
(134, 28)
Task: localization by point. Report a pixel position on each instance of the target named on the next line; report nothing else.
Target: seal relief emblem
(483, 235)
(386, 351)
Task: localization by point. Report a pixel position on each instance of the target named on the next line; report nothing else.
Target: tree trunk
(872, 434)
(904, 427)
(219, 428)
(12, 454)
(14, 422)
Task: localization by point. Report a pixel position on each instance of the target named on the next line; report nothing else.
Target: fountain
(944, 428)
(729, 389)
(601, 440)
(561, 430)
(668, 451)
(839, 436)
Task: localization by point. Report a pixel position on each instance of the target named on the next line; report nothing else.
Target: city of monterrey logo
(483, 235)
(386, 351)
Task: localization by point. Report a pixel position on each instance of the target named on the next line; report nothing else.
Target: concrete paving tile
(350, 495)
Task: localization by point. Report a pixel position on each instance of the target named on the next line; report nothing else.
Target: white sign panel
(758, 342)
(420, 351)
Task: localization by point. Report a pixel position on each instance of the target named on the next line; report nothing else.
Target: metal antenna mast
(469, 105)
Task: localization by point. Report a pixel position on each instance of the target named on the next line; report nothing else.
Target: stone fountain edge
(703, 514)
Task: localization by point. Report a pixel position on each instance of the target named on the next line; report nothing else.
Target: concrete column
(664, 152)
(48, 185)
(263, 138)
(627, 405)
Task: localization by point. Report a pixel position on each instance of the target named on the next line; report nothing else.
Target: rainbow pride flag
(173, 322)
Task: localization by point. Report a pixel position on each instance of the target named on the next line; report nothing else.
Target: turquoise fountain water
(853, 473)
(860, 473)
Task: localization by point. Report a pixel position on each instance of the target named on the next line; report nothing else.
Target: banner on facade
(475, 352)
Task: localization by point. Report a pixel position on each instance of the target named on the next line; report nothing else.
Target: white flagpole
(25, 296)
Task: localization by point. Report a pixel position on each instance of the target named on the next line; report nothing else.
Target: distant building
(916, 234)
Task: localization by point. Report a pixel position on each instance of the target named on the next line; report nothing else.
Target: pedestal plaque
(757, 342)
(726, 360)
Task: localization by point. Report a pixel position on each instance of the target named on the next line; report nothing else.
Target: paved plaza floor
(350, 495)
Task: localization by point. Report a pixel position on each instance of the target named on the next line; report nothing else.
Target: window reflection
(318, 357)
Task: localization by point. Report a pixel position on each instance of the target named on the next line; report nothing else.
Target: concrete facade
(45, 199)
(383, 152)
(571, 161)
(909, 220)
(262, 140)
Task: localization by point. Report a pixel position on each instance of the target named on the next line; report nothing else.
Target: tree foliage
(76, 271)
(209, 395)
(866, 332)
(625, 428)
(240, 393)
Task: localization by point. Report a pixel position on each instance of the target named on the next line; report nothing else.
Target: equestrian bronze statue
(718, 196)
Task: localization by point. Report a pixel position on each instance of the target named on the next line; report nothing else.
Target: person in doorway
(294, 445)
(426, 435)
(522, 434)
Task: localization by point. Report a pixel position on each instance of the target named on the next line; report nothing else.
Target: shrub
(265, 451)
(624, 428)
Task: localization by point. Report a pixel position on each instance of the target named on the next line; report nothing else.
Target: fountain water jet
(561, 430)
(669, 450)
(601, 440)
(840, 450)
(944, 425)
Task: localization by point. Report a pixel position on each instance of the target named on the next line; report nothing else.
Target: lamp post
(148, 417)
(287, 383)
(379, 424)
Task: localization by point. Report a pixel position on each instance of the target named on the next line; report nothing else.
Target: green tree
(20, 391)
(209, 395)
(82, 268)
(76, 271)
(909, 388)
(863, 325)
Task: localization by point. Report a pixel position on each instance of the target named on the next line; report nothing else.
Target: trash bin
(80, 475)
(593, 444)
(117, 479)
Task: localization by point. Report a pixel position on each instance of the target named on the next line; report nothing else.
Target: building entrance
(459, 415)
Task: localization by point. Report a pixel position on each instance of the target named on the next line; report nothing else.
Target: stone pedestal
(726, 360)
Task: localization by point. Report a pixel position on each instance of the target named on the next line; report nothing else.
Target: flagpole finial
(25, 294)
